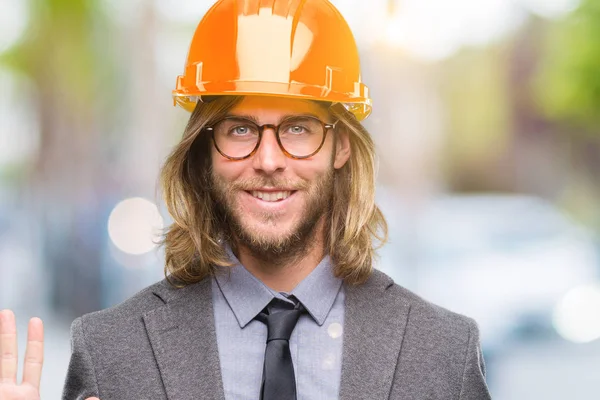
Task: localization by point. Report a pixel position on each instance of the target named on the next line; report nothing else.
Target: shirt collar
(317, 292)
(247, 296)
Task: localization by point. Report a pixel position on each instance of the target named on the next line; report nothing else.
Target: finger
(34, 354)
(8, 347)
(92, 398)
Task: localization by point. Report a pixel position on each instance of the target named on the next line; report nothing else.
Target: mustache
(258, 182)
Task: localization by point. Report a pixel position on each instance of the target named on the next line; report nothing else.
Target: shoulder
(141, 302)
(433, 345)
(440, 349)
(114, 347)
(129, 314)
(428, 312)
(424, 315)
(437, 344)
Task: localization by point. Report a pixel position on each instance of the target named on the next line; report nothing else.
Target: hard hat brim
(360, 107)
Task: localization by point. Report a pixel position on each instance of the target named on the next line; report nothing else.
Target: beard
(285, 245)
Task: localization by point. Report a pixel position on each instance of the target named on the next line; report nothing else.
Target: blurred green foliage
(568, 84)
(61, 52)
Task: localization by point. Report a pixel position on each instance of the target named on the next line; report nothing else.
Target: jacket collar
(183, 338)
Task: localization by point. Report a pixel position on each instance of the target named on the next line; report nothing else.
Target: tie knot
(281, 323)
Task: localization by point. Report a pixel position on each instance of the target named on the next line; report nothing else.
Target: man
(269, 289)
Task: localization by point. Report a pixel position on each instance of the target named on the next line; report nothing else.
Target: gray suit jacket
(161, 344)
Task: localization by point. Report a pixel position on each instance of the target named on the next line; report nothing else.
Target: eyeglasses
(238, 138)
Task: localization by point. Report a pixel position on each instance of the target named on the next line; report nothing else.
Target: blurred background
(486, 118)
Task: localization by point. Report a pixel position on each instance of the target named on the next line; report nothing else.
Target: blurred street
(548, 370)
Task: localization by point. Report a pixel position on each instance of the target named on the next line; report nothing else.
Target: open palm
(29, 389)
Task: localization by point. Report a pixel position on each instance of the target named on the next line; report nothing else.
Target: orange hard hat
(290, 48)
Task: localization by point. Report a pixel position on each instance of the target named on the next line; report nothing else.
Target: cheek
(312, 174)
(226, 169)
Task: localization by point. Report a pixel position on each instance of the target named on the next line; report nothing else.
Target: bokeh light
(133, 225)
(577, 315)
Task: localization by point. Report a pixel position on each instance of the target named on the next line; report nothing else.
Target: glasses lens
(301, 136)
(236, 137)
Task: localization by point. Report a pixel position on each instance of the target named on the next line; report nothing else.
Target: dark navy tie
(278, 380)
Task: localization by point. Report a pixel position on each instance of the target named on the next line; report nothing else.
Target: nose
(269, 157)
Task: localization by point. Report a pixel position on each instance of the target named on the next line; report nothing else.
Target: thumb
(92, 398)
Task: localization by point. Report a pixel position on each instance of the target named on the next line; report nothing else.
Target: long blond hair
(192, 243)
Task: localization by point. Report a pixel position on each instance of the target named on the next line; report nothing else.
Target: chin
(270, 232)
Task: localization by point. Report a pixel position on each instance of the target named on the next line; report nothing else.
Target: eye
(241, 130)
(301, 127)
(296, 129)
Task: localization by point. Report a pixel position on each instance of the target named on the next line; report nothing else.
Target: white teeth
(271, 196)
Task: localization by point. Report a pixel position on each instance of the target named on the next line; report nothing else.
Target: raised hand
(29, 389)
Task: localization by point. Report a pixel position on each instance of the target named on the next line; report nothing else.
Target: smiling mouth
(271, 197)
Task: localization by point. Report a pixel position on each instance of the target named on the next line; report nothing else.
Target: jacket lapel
(183, 338)
(374, 322)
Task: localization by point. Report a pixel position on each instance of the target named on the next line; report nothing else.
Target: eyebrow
(285, 117)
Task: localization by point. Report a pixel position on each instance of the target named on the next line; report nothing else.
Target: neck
(283, 272)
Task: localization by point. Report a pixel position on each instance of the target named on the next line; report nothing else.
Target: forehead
(265, 107)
